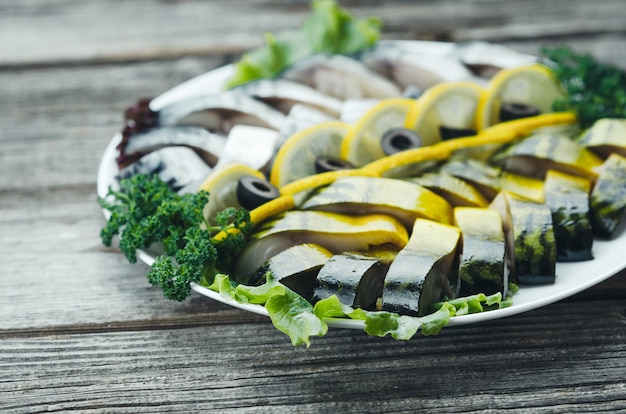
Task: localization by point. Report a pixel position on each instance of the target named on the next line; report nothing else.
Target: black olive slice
(451, 133)
(325, 164)
(253, 191)
(399, 139)
(510, 111)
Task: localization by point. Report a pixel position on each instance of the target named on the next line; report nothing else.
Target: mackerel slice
(535, 155)
(207, 144)
(456, 191)
(482, 261)
(490, 180)
(297, 267)
(180, 167)
(529, 235)
(284, 95)
(220, 112)
(356, 278)
(605, 137)
(567, 197)
(608, 197)
(423, 272)
(401, 199)
(335, 232)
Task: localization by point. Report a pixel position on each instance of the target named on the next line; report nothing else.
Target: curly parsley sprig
(594, 90)
(145, 211)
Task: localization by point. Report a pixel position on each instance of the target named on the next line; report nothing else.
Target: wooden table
(82, 330)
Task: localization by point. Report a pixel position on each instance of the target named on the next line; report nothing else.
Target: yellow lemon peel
(533, 84)
(296, 158)
(453, 105)
(361, 144)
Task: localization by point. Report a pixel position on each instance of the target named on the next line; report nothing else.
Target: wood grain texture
(82, 330)
(216, 368)
(91, 31)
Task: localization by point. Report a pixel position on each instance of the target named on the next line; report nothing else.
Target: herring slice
(342, 77)
(284, 95)
(335, 232)
(356, 278)
(220, 112)
(567, 196)
(541, 151)
(456, 191)
(296, 267)
(482, 262)
(402, 199)
(423, 272)
(207, 144)
(608, 197)
(605, 137)
(530, 241)
(180, 167)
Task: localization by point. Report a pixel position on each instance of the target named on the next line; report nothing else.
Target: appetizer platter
(390, 186)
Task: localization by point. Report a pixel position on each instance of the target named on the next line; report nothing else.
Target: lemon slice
(296, 158)
(222, 188)
(448, 105)
(531, 85)
(362, 144)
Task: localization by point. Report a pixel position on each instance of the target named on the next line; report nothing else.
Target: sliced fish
(179, 167)
(487, 58)
(283, 95)
(207, 144)
(341, 77)
(220, 112)
(414, 66)
(249, 145)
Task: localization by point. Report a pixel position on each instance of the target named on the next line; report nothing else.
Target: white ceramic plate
(571, 278)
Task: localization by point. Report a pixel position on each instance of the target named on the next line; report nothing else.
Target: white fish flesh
(249, 145)
(283, 95)
(299, 118)
(353, 109)
(220, 112)
(207, 144)
(341, 77)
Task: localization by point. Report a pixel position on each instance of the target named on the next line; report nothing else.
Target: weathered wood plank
(253, 367)
(58, 276)
(57, 32)
(57, 122)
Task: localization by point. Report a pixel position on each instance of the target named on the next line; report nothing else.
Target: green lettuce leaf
(294, 316)
(404, 327)
(330, 29)
(297, 318)
(289, 312)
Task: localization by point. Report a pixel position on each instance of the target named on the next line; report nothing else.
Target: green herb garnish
(594, 90)
(330, 29)
(145, 211)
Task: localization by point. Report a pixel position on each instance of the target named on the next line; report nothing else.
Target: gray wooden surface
(82, 330)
